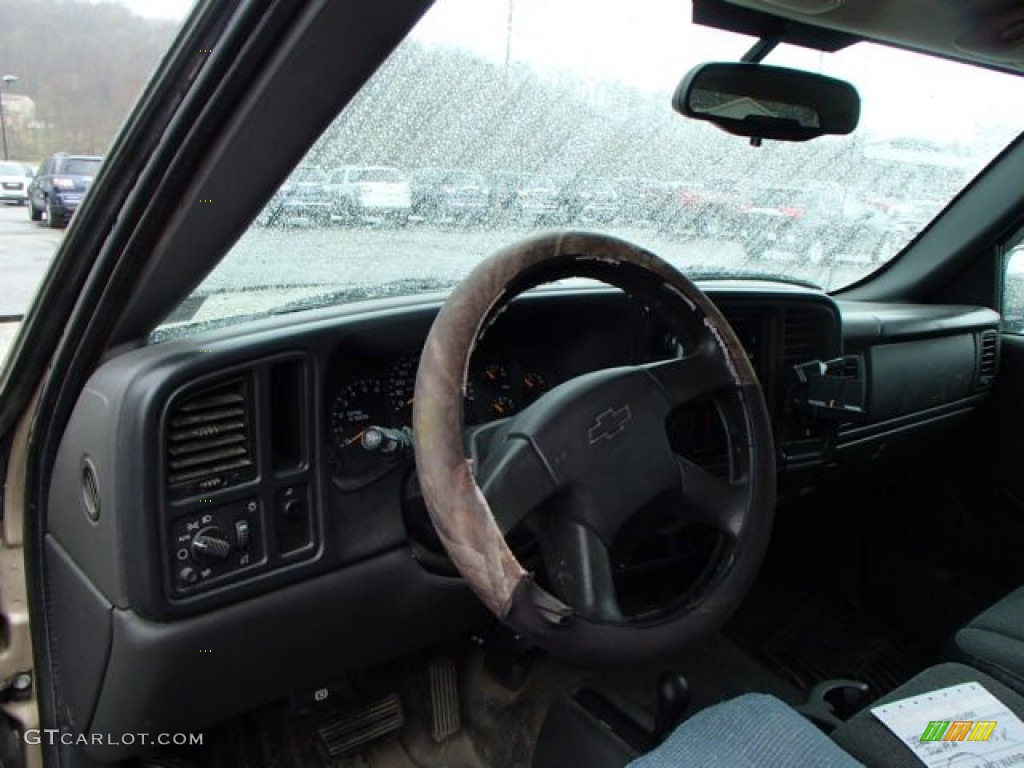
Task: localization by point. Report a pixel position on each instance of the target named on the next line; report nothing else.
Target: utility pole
(7, 80)
(508, 35)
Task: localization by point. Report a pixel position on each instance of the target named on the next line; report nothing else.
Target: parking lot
(301, 259)
(276, 267)
(26, 250)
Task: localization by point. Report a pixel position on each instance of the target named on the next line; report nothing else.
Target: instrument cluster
(495, 389)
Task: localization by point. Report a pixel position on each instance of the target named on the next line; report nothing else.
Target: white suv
(368, 193)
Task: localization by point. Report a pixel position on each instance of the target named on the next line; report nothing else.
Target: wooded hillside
(83, 65)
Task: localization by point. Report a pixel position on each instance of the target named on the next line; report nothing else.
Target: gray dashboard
(208, 492)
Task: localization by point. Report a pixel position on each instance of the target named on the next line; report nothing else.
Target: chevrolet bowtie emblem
(609, 423)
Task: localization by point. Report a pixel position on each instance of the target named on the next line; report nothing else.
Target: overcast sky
(652, 43)
(157, 9)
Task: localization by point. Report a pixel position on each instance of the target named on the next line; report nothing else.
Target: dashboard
(382, 394)
(218, 490)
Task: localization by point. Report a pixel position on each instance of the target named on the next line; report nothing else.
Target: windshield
(80, 167)
(377, 174)
(562, 107)
(308, 176)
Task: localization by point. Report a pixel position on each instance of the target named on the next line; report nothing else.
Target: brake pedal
(444, 699)
(355, 729)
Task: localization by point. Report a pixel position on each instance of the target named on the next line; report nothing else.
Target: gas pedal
(444, 698)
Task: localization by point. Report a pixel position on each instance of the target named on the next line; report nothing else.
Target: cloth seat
(865, 738)
(760, 731)
(994, 641)
(752, 730)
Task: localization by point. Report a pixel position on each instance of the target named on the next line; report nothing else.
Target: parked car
(303, 196)
(370, 193)
(441, 194)
(642, 202)
(713, 205)
(14, 181)
(588, 200)
(59, 186)
(525, 198)
(767, 213)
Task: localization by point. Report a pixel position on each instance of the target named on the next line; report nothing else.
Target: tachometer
(359, 405)
(402, 386)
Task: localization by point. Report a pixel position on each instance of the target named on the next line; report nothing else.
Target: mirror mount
(764, 102)
(761, 49)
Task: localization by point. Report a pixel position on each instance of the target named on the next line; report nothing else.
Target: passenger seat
(994, 641)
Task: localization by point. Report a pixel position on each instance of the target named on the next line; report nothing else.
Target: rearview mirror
(765, 102)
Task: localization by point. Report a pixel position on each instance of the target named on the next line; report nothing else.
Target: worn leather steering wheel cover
(462, 516)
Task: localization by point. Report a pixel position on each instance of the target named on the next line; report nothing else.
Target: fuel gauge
(502, 406)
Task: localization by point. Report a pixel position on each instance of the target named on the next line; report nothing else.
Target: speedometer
(359, 405)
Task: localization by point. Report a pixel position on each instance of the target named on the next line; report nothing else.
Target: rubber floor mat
(807, 638)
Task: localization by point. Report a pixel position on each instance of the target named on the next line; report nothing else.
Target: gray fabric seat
(994, 641)
(865, 738)
(760, 731)
(753, 730)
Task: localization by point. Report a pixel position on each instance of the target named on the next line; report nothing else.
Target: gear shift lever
(673, 701)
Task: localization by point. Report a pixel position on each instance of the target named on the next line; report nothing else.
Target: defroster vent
(803, 335)
(209, 439)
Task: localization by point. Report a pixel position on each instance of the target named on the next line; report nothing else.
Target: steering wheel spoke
(579, 567)
(510, 473)
(711, 500)
(686, 379)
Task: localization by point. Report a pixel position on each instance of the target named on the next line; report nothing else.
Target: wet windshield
(308, 176)
(79, 167)
(558, 112)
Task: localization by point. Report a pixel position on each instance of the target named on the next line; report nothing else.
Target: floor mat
(808, 637)
(716, 668)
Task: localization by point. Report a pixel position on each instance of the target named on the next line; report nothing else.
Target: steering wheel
(588, 455)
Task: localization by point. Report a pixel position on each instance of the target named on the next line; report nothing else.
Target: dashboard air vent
(748, 324)
(988, 357)
(209, 442)
(802, 335)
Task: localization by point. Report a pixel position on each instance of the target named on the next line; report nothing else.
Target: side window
(1013, 290)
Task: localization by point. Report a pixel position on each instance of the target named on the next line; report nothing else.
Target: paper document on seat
(963, 726)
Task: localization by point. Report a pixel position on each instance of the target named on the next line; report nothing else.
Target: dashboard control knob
(210, 543)
(188, 576)
(292, 509)
(393, 443)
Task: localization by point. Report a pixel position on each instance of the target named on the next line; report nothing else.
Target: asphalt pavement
(26, 250)
(299, 261)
